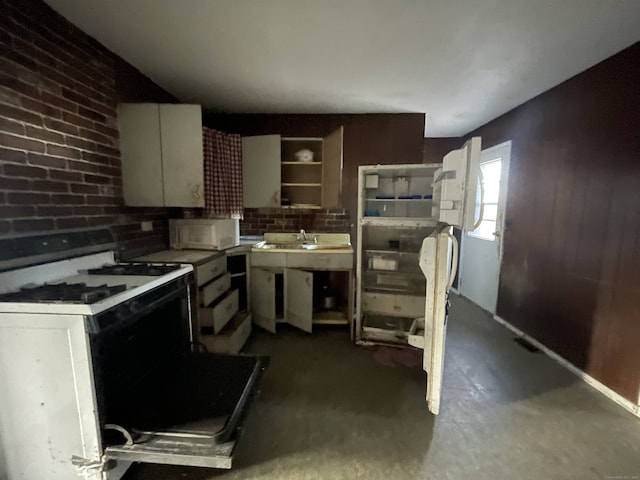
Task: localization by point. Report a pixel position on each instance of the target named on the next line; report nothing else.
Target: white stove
(97, 363)
(25, 290)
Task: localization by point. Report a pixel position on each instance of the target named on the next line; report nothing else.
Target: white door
(481, 249)
(332, 168)
(182, 155)
(298, 295)
(263, 299)
(438, 260)
(142, 183)
(261, 157)
(455, 187)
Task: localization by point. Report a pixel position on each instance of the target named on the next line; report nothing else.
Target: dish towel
(222, 174)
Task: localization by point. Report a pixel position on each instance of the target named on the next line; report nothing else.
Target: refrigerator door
(438, 260)
(457, 189)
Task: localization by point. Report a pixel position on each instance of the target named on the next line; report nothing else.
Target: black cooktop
(62, 293)
(149, 269)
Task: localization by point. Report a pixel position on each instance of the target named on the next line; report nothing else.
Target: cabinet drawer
(211, 270)
(232, 337)
(214, 289)
(390, 304)
(214, 318)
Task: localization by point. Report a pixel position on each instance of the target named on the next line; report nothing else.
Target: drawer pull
(229, 306)
(397, 307)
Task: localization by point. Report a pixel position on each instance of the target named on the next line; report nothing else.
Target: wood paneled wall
(435, 148)
(571, 268)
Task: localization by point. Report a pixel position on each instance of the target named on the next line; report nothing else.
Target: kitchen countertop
(195, 257)
(251, 239)
(246, 242)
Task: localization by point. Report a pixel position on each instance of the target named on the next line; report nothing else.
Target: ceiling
(462, 62)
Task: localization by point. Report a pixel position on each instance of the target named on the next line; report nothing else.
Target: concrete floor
(331, 410)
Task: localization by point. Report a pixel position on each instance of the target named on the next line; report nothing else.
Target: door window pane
(491, 183)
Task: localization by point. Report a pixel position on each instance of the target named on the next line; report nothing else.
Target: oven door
(197, 418)
(158, 402)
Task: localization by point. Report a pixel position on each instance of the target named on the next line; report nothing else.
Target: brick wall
(257, 221)
(59, 155)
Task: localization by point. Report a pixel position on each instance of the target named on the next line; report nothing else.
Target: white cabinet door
(182, 155)
(261, 171)
(298, 286)
(162, 159)
(332, 168)
(48, 407)
(142, 180)
(457, 185)
(438, 258)
(263, 299)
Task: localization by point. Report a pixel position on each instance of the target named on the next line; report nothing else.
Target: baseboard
(454, 290)
(616, 397)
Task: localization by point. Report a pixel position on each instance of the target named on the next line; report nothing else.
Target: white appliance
(204, 233)
(97, 369)
(407, 254)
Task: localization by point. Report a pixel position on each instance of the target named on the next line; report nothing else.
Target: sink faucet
(304, 234)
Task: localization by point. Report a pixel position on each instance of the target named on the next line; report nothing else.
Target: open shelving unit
(301, 181)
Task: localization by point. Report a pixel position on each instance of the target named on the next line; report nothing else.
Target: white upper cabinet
(332, 168)
(141, 154)
(182, 155)
(261, 171)
(292, 172)
(162, 156)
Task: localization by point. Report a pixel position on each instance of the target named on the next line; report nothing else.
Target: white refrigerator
(407, 254)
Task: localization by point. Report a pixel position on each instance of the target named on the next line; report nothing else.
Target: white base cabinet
(219, 296)
(299, 297)
(282, 295)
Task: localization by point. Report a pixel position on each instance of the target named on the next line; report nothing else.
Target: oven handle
(93, 322)
(125, 433)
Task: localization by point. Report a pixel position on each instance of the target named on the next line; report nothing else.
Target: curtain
(222, 174)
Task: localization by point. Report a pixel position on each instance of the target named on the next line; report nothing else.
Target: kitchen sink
(304, 242)
(300, 246)
(318, 251)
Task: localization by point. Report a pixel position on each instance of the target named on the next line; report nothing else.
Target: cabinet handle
(397, 307)
(196, 192)
(276, 199)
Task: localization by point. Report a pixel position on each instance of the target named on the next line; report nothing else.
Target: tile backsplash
(258, 221)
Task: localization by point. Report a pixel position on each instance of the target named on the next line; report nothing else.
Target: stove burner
(63, 293)
(145, 269)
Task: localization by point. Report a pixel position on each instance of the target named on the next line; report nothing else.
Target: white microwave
(203, 233)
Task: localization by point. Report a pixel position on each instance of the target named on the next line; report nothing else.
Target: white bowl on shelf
(304, 155)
